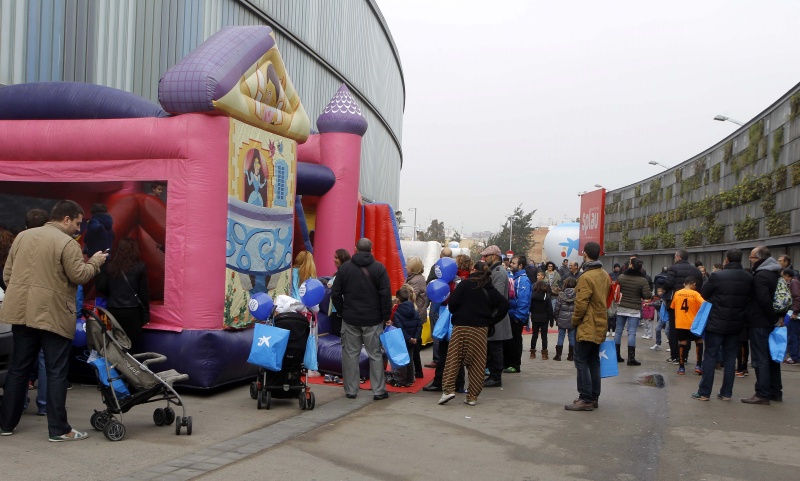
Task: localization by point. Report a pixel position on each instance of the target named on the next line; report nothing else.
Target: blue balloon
(438, 291)
(260, 306)
(446, 269)
(80, 333)
(311, 292)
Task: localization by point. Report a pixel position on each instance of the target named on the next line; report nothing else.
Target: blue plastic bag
(443, 328)
(700, 319)
(269, 346)
(663, 313)
(608, 359)
(102, 375)
(777, 344)
(395, 346)
(310, 359)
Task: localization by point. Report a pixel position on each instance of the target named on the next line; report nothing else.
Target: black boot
(632, 357)
(559, 349)
(569, 353)
(619, 358)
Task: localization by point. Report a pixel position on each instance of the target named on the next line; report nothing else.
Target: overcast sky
(515, 102)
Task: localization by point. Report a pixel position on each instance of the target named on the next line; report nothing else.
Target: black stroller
(292, 380)
(105, 336)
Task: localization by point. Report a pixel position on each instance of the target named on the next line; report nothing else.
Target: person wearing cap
(494, 361)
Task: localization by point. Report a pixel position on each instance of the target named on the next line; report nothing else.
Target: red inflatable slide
(377, 223)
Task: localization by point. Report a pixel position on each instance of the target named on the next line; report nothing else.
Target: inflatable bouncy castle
(242, 195)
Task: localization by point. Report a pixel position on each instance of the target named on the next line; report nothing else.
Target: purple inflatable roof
(212, 69)
(342, 114)
(72, 100)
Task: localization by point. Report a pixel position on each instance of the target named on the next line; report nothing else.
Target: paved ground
(518, 433)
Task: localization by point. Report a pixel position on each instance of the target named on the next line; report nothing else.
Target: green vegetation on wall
(777, 143)
(692, 237)
(746, 229)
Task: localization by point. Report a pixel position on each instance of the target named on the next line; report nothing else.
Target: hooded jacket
(729, 292)
(521, 304)
(99, 233)
(361, 301)
(565, 306)
(590, 316)
(43, 271)
(406, 318)
(541, 306)
(765, 281)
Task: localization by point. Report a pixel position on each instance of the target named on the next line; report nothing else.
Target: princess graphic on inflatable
(255, 180)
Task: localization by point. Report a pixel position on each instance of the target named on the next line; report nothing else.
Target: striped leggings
(468, 348)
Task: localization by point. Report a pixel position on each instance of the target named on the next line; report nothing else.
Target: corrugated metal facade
(129, 44)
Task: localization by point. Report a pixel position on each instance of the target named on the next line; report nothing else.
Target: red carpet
(418, 384)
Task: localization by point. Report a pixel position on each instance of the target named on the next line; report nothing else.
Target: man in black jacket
(676, 276)
(361, 292)
(760, 321)
(729, 292)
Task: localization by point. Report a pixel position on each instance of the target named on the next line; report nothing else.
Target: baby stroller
(104, 335)
(292, 380)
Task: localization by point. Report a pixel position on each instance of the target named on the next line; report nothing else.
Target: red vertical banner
(593, 214)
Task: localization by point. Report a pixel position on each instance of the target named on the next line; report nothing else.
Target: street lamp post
(723, 118)
(510, 229)
(653, 162)
(414, 236)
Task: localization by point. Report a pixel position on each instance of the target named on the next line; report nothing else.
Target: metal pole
(510, 231)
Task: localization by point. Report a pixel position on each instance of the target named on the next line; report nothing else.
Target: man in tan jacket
(43, 271)
(590, 319)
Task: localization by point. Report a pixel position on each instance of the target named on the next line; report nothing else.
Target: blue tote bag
(269, 346)
(443, 328)
(310, 359)
(608, 359)
(777, 344)
(395, 346)
(700, 320)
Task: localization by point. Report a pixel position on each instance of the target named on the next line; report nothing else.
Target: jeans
(633, 325)
(587, 363)
(793, 347)
(41, 393)
(352, 339)
(768, 372)
(57, 350)
(660, 324)
(729, 344)
(570, 334)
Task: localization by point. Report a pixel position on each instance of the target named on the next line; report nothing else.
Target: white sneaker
(655, 347)
(667, 349)
(446, 397)
(647, 337)
(470, 402)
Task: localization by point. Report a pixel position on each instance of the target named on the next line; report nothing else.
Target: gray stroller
(127, 380)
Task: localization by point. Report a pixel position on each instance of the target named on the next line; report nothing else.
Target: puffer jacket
(43, 271)
(407, 319)
(417, 282)
(99, 234)
(729, 292)
(521, 303)
(633, 289)
(765, 281)
(565, 306)
(591, 312)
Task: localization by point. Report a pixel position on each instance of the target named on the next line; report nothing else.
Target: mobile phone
(106, 251)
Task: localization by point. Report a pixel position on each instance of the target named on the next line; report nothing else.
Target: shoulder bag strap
(135, 294)
(369, 278)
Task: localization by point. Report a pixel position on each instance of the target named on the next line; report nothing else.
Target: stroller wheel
(260, 400)
(311, 401)
(253, 390)
(99, 420)
(114, 431)
(170, 415)
(178, 424)
(189, 426)
(159, 417)
(302, 400)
